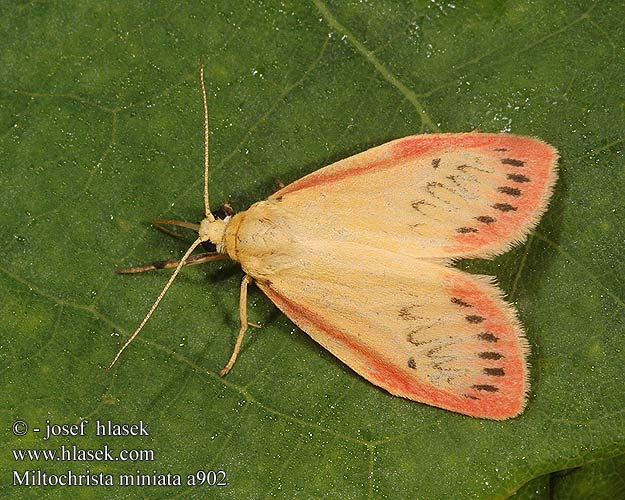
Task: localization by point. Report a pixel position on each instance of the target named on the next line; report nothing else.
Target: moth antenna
(157, 301)
(207, 210)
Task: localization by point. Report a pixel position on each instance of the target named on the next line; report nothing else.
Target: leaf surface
(102, 130)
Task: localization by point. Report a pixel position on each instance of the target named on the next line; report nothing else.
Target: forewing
(419, 330)
(439, 195)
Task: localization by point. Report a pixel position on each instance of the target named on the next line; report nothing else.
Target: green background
(101, 130)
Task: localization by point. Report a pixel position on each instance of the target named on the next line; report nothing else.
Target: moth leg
(244, 324)
(158, 224)
(167, 264)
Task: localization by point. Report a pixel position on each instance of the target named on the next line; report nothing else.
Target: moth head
(212, 230)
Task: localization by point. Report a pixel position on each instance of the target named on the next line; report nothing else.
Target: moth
(359, 255)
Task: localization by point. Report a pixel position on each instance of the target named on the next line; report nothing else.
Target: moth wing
(418, 329)
(439, 195)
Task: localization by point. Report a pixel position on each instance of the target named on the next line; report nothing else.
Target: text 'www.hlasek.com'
(44, 466)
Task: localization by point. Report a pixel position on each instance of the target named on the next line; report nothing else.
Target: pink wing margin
(522, 170)
(500, 348)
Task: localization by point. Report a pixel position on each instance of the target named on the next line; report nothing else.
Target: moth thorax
(213, 230)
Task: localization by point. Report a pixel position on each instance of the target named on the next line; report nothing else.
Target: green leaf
(102, 130)
(600, 481)
(536, 489)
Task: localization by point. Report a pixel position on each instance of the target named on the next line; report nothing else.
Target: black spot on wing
(513, 162)
(485, 387)
(413, 335)
(465, 167)
(460, 302)
(407, 313)
(412, 363)
(469, 396)
(500, 149)
(488, 337)
(465, 230)
(486, 219)
(520, 178)
(418, 204)
(431, 188)
(504, 207)
(494, 372)
(436, 162)
(490, 355)
(474, 318)
(432, 352)
(511, 191)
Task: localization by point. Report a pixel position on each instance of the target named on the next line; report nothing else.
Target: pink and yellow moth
(358, 255)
